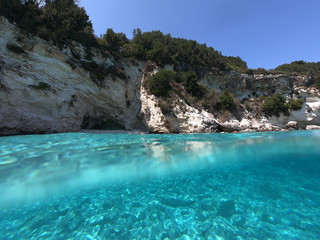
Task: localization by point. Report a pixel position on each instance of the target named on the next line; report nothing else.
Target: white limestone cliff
(71, 97)
(41, 92)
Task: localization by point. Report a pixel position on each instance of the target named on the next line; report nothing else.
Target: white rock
(74, 100)
(313, 127)
(72, 94)
(151, 113)
(292, 125)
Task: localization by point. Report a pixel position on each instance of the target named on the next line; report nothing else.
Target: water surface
(190, 186)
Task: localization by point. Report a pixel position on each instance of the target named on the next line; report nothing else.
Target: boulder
(292, 125)
(313, 127)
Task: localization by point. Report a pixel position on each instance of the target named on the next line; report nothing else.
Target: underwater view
(135, 186)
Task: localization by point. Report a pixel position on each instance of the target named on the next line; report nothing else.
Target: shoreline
(137, 132)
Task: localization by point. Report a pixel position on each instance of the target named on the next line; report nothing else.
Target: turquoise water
(190, 186)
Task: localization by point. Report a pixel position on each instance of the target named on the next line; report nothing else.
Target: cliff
(45, 88)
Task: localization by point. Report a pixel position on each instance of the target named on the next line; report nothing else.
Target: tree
(160, 83)
(137, 36)
(63, 20)
(12, 9)
(226, 101)
(274, 105)
(112, 41)
(190, 82)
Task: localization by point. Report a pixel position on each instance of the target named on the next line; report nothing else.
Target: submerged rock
(227, 208)
(176, 202)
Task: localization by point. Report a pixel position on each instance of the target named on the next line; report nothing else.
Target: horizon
(263, 34)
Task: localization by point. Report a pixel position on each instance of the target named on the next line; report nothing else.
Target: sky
(264, 33)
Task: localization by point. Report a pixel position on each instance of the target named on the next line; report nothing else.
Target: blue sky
(264, 33)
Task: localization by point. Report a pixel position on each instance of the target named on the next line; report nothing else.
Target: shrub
(261, 71)
(15, 48)
(274, 105)
(226, 101)
(295, 104)
(112, 41)
(210, 100)
(116, 71)
(149, 67)
(316, 83)
(42, 86)
(97, 70)
(160, 83)
(100, 76)
(190, 82)
(100, 72)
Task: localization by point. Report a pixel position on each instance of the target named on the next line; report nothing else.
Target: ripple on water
(201, 186)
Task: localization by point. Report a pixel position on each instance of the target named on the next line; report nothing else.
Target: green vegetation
(295, 104)
(166, 83)
(160, 83)
(164, 49)
(63, 21)
(219, 103)
(190, 82)
(260, 71)
(42, 86)
(299, 67)
(226, 101)
(15, 48)
(112, 42)
(98, 71)
(211, 100)
(303, 68)
(237, 64)
(56, 20)
(276, 104)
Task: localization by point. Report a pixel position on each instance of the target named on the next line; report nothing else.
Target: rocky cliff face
(41, 91)
(245, 86)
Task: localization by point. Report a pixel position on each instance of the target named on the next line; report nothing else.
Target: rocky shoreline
(45, 90)
(291, 126)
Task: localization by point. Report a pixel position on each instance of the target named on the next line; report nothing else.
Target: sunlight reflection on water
(35, 166)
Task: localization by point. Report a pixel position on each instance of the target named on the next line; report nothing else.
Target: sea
(146, 186)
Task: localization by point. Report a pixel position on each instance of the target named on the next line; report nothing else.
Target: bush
(42, 86)
(295, 104)
(190, 82)
(160, 83)
(316, 83)
(100, 76)
(112, 41)
(210, 100)
(260, 71)
(164, 49)
(274, 105)
(149, 67)
(15, 48)
(236, 64)
(97, 70)
(226, 101)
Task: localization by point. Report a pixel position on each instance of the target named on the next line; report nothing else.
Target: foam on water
(191, 186)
